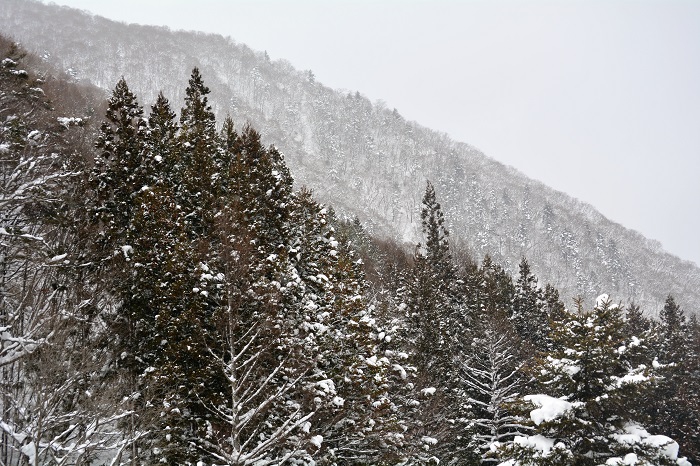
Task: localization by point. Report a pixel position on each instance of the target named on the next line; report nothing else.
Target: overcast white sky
(599, 99)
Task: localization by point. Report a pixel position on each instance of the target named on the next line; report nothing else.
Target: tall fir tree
(636, 322)
(530, 317)
(119, 171)
(437, 246)
(497, 288)
(198, 175)
(672, 332)
(160, 141)
(437, 328)
(675, 411)
(431, 290)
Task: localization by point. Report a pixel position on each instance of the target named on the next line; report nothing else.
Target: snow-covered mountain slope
(365, 159)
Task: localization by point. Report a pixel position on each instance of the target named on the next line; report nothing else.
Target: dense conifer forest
(167, 296)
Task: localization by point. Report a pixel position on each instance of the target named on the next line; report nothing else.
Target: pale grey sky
(599, 99)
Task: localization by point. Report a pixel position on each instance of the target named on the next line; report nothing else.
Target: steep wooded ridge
(365, 159)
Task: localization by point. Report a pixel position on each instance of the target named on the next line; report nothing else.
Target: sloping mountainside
(365, 159)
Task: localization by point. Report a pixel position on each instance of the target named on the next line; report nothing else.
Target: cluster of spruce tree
(236, 320)
(516, 378)
(167, 296)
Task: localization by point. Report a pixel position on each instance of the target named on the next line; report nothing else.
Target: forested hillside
(168, 297)
(365, 159)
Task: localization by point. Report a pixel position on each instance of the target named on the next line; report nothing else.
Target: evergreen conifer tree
(437, 247)
(119, 171)
(675, 411)
(432, 290)
(198, 175)
(635, 320)
(530, 317)
(498, 290)
(491, 374)
(160, 141)
(438, 325)
(589, 411)
(672, 332)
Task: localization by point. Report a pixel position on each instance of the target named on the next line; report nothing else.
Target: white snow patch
(402, 372)
(604, 299)
(316, 440)
(568, 366)
(29, 450)
(126, 250)
(58, 258)
(635, 434)
(70, 121)
(630, 379)
(326, 385)
(18, 436)
(629, 459)
(549, 408)
(538, 442)
(601, 300)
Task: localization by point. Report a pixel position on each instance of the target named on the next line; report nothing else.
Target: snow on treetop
(633, 377)
(565, 365)
(549, 408)
(601, 300)
(629, 459)
(538, 442)
(541, 444)
(604, 299)
(637, 435)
